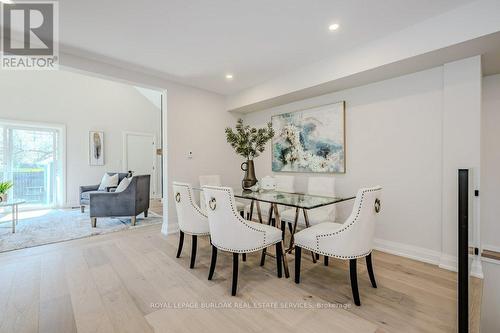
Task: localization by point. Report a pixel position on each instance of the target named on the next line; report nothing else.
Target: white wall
(393, 139)
(490, 164)
(409, 134)
(81, 103)
(461, 148)
(196, 123)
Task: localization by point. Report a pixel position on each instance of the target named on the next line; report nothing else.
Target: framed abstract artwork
(96, 148)
(311, 140)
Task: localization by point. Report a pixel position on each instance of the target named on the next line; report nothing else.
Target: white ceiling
(198, 41)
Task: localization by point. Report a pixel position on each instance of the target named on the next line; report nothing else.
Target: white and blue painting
(310, 140)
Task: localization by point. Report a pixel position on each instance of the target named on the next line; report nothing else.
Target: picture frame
(310, 140)
(96, 148)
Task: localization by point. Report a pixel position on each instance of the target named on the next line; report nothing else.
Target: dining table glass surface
(300, 200)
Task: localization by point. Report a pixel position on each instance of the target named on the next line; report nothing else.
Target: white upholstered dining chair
(350, 240)
(231, 233)
(215, 180)
(192, 220)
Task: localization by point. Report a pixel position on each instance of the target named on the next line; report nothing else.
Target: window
(30, 157)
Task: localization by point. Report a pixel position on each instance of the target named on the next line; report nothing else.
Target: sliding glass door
(29, 158)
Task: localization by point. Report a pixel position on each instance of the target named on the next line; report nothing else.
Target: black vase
(249, 180)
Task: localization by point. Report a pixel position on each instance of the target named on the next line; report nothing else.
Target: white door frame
(126, 134)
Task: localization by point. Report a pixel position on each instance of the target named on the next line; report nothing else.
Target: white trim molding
(448, 262)
(408, 251)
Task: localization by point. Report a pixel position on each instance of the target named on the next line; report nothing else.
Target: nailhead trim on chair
(341, 230)
(244, 222)
(192, 202)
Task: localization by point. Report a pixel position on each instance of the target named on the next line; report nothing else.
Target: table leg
(290, 248)
(251, 210)
(278, 222)
(306, 219)
(13, 218)
(259, 213)
(270, 215)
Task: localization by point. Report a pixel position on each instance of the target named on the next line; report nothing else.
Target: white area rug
(56, 225)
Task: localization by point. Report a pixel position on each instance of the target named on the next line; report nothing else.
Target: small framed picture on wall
(96, 148)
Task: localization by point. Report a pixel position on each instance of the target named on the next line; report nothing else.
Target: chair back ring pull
(212, 204)
(178, 197)
(377, 205)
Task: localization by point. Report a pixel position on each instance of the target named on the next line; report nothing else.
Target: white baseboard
(408, 251)
(444, 261)
(448, 262)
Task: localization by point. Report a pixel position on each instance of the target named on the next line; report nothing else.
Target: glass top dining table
(296, 200)
(299, 201)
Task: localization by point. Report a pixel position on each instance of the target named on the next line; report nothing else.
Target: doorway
(140, 157)
(30, 158)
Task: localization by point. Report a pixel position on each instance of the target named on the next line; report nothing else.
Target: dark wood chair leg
(82, 208)
(93, 222)
(212, 263)
(279, 259)
(146, 213)
(290, 227)
(193, 251)
(181, 242)
(263, 257)
(283, 229)
(369, 266)
(298, 255)
(354, 281)
(317, 256)
(235, 274)
(242, 213)
(326, 260)
(244, 257)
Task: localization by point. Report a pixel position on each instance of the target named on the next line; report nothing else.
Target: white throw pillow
(108, 181)
(123, 185)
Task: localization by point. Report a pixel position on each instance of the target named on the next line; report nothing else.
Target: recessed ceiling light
(333, 27)
(229, 76)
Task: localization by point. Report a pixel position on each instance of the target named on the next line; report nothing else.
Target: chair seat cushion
(273, 235)
(307, 237)
(316, 216)
(86, 195)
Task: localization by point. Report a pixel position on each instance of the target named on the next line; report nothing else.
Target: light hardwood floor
(125, 282)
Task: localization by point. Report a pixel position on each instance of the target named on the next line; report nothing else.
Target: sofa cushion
(108, 181)
(123, 185)
(86, 195)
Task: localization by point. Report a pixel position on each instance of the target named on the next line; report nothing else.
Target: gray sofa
(133, 201)
(85, 191)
